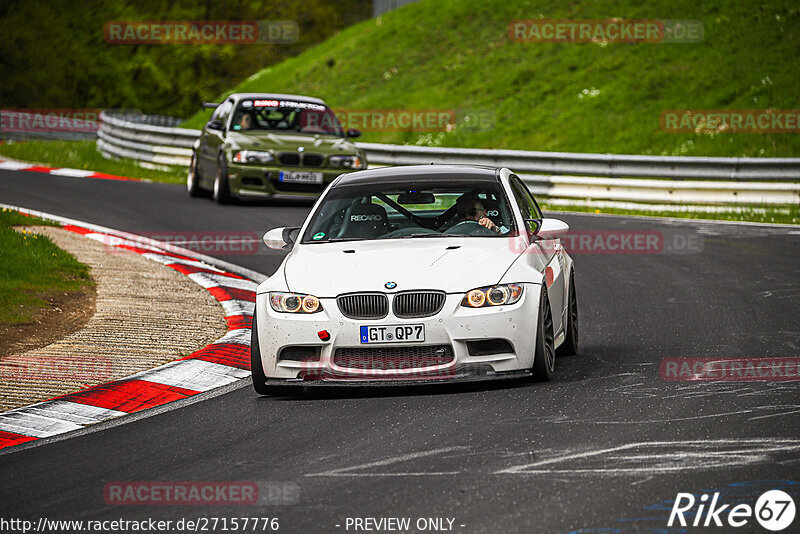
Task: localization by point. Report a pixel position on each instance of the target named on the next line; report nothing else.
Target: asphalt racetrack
(604, 447)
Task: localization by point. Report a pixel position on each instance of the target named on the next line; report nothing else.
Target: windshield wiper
(432, 235)
(339, 239)
(422, 235)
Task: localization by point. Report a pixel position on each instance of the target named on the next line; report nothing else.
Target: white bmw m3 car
(416, 274)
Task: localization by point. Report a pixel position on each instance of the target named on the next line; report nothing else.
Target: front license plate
(397, 333)
(300, 177)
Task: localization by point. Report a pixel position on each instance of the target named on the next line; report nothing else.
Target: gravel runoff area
(146, 314)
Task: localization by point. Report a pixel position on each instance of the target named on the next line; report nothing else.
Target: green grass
(456, 54)
(34, 268)
(775, 214)
(84, 155)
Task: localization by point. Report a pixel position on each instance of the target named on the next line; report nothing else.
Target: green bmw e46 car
(260, 145)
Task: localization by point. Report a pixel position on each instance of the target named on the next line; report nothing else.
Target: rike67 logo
(774, 510)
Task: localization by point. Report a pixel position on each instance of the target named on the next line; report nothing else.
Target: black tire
(222, 192)
(256, 369)
(544, 357)
(193, 179)
(570, 345)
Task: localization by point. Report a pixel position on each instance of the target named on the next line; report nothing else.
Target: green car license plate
(300, 177)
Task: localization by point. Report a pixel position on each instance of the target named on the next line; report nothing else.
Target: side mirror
(281, 238)
(353, 133)
(214, 125)
(552, 229)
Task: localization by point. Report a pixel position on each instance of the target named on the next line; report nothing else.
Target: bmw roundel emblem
(390, 285)
(300, 149)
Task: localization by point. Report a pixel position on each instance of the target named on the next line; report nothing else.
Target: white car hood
(326, 270)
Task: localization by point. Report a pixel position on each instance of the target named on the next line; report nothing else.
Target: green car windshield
(286, 116)
(406, 211)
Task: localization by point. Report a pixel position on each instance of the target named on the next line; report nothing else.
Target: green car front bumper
(256, 181)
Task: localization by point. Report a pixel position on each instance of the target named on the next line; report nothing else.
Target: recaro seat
(365, 221)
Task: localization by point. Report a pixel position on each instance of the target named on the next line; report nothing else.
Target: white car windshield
(460, 208)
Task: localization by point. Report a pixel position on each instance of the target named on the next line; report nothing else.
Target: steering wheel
(469, 227)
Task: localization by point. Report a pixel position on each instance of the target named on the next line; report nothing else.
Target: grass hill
(575, 97)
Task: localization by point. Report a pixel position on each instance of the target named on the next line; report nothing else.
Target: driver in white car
(470, 208)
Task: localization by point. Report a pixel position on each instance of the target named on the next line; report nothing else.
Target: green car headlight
(499, 295)
(347, 162)
(253, 156)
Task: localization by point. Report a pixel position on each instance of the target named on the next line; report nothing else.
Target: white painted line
(82, 414)
(238, 307)
(207, 280)
(653, 457)
(22, 422)
(14, 166)
(196, 375)
(240, 336)
(76, 173)
(169, 260)
(347, 471)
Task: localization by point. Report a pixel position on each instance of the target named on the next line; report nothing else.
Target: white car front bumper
(485, 341)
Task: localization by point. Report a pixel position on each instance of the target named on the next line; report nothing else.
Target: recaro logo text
(359, 218)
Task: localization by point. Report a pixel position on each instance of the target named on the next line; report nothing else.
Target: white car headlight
(492, 296)
(294, 303)
(348, 162)
(253, 156)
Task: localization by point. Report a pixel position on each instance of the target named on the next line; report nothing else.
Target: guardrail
(687, 180)
(121, 137)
